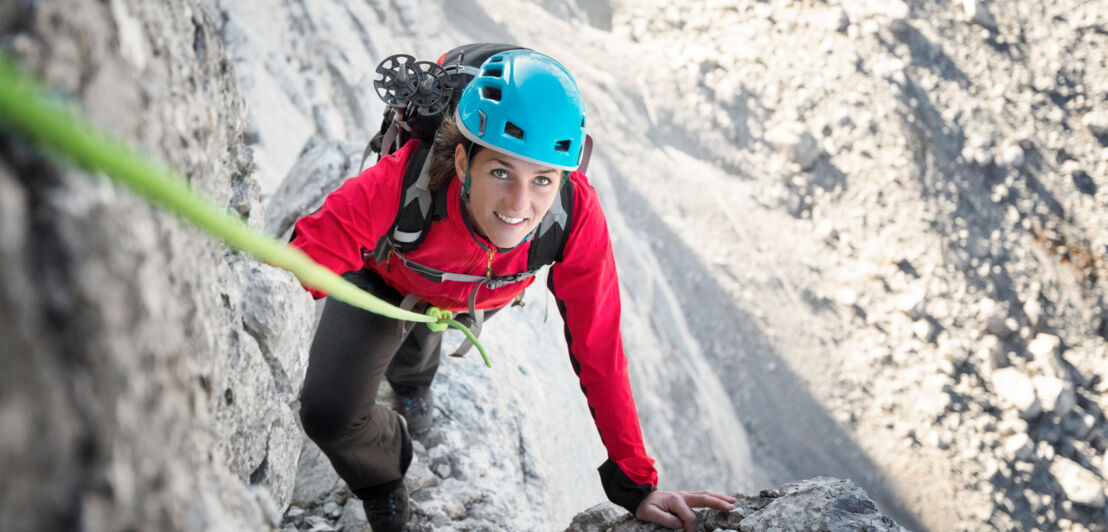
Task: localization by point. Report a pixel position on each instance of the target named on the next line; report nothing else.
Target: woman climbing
(499, 182)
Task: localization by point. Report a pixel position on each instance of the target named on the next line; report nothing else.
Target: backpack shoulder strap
(413, 215)
(553, 231)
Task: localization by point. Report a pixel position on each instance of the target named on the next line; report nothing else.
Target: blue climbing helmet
(525, 104)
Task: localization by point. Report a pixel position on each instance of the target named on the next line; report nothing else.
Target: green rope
(26, 109)
(472, 339)
(440, 317)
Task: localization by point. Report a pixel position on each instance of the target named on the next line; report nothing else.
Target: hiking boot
(388, 512)
(416, 409)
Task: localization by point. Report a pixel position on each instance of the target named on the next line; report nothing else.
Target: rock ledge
(820, 503)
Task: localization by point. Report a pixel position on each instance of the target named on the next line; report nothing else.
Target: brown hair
(447, 138)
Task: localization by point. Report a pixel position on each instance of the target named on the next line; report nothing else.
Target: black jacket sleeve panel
(620, 489)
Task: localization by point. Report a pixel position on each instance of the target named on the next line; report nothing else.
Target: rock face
(820, 503)
(147, 372)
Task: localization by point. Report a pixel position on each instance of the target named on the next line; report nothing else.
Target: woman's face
(507, 196)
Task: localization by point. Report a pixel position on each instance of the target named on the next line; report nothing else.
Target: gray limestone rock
(322, 168)
(1078, 424)
(820, 503)
(798, 145)
(1012, 155)
(1056, 395)
(138, 400)
(1020, 446)
(991, 353)
(1079, 484)
(599, 518)
(978, 12)
(315, 478)
(279, 314)
(1046, 353)
(1097, 122)
(353, 517)
(842, 505)
(1015, 389)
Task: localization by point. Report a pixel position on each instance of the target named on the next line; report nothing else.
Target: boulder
(912, 301)
(1012, 155)
(1080, 485)
(978, 12)
(1097, 122)
(353, 516)
(1056, 395)
(1020, 446)
(794, 140)
(990, 352)
(599, 518)
(1045, 350)
(1078, 423)
(1015, 389)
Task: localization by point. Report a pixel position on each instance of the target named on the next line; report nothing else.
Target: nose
(518, 197)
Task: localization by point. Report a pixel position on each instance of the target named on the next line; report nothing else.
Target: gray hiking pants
(352, 352)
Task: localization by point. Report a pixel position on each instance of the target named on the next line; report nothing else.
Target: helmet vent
(513, 130)
(562, 145)
(494, 72)
(491, 93)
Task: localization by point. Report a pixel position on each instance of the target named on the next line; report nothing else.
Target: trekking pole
(51, 124)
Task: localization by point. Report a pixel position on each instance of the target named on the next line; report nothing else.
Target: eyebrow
(513, 168)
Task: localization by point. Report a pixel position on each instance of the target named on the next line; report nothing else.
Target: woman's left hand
(674, 508)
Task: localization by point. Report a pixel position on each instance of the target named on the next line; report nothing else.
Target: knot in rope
(442, 318)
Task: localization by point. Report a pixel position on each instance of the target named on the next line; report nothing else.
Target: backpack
(418, 95)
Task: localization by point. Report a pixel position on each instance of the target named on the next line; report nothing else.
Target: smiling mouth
(509, 219)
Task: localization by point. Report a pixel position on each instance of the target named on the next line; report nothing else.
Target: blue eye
(499, 173)
(543, 180)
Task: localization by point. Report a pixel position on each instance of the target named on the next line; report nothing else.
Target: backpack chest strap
(385, 250)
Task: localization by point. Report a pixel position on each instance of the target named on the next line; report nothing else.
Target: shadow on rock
(786, 425)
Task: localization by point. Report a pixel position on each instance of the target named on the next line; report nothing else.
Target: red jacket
(584, 284)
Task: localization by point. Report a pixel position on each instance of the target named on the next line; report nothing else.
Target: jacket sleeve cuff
(620, 489)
